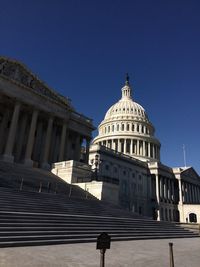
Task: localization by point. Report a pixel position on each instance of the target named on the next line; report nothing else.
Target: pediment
(190, 172)
(17, 72)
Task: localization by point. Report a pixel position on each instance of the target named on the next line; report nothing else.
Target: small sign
(103, 241)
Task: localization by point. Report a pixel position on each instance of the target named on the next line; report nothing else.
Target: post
(103, 243)
(171, 255)
(102, 257)
(21, 185)
(40, 188)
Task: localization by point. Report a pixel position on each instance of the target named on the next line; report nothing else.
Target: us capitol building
(39, 128)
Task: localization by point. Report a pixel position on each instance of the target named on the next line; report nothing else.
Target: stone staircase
(13, 175)
(30, 218)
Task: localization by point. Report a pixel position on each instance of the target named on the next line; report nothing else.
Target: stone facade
(37, 125)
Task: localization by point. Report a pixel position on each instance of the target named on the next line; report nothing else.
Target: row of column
(190, 192)
(12, 134)
(165, 192)
(167, 189)
(133, 146)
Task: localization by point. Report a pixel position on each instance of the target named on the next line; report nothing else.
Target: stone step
(82, 240)
(85, 231)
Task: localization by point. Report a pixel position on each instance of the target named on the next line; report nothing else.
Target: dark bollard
(40, 188)
(103, 243)
(102, 257)
(21, 185)
(171, 256)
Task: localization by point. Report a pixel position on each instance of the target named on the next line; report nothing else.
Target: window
(122, 127)
(127, 127)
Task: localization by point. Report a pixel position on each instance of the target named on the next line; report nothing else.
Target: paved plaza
(144, 253)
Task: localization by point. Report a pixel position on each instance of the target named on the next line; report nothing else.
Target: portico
(37, 125)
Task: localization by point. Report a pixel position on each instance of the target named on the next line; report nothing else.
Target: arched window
(122, 127)
(113, 128)
(117, 127)
(108, 129)
(193, 217)
(133, 127)
(127, 127)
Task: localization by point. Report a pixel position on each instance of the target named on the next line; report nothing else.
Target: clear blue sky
(83, 48)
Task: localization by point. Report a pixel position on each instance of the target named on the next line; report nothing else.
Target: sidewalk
(144, 253)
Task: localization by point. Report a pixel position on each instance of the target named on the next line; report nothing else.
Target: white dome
(127, 129)
(126, 107)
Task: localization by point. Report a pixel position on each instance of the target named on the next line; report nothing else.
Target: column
(21, 137)
(161, 186)
(4, 124)
(12, 133)
(119, 146)
(131, 147)
(149, 150)
(196, 194)
(158, 196)
(165, 189)
(62, 142)
(173, 196)
(125, 145)
(138, 148)
(192, 187)
(180, 192)
(31, 138)
(45, 163)
(198, 199)
(169, 190)
(186, 193)
(143, 148)
(112, 144)
(153, 148)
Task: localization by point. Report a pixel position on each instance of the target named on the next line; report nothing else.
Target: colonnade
(190, 193)
(133, 147)
(167, 189)
(165, 194)
(33, 136)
